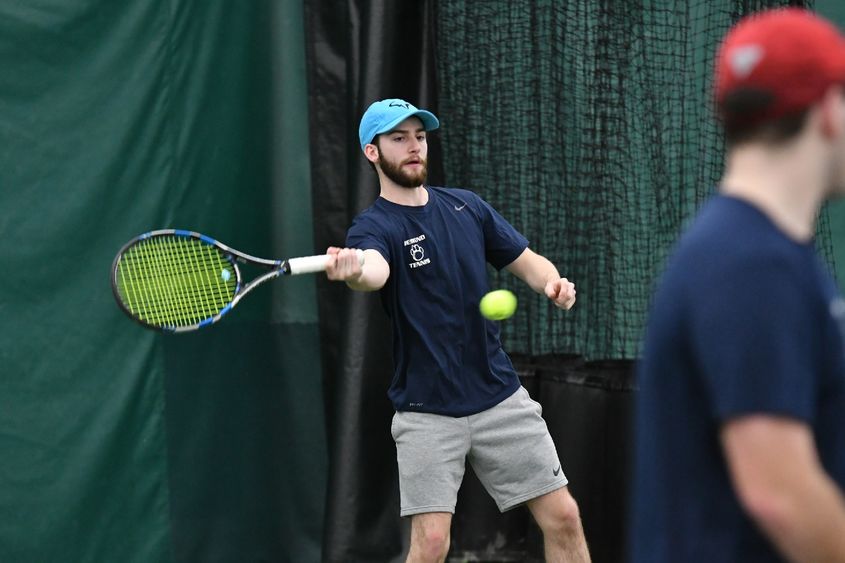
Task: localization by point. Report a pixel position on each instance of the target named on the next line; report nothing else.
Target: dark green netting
(835, 11)
(588, 125)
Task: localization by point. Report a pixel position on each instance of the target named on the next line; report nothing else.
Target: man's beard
(402, 177)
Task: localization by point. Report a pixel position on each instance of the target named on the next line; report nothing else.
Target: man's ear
(832, 107)
(371, 152)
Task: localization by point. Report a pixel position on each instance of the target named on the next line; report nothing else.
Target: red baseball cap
(790, 54)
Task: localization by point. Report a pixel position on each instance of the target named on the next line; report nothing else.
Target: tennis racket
(178, 281)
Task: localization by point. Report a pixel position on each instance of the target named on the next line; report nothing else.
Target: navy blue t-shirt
(744, 321)
(448, 358)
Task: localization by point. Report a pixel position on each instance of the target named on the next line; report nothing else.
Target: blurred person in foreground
(740, 425)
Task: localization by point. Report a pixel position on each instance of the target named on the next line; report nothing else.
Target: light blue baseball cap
(385, 115)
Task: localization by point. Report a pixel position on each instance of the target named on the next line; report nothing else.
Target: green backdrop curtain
(118, 444)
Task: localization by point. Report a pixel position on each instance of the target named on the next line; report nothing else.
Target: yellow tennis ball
(498, 305)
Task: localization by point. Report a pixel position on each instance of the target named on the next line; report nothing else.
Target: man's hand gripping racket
(346, 264)
(178, 281)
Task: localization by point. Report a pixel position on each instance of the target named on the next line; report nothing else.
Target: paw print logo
(417, 252)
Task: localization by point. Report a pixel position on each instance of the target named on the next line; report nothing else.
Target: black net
(588, 125)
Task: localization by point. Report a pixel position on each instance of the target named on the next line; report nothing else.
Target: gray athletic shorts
(508, 446)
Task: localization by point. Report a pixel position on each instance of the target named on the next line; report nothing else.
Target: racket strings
(196, 291)
(179, 287)
(173, 281)
(161, 291)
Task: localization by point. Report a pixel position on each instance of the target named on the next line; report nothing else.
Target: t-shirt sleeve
(502, 242)
(365, 235)
(753, 341)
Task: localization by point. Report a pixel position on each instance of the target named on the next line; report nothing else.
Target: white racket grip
(311, 264)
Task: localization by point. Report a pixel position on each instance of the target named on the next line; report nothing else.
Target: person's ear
(371, 152)
(832, 108)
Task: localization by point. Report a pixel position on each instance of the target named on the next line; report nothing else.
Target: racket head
(175, 280)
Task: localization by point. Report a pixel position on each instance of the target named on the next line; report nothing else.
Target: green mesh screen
(604, 145)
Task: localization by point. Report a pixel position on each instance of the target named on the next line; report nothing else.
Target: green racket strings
(175, 281)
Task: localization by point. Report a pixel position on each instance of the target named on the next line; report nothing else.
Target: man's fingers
(342, 264)
(347, 265)
(562, 292)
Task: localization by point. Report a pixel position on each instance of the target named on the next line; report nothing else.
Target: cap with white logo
(385, 115)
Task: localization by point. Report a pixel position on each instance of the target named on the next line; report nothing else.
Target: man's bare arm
(542, 276)
(780, 482)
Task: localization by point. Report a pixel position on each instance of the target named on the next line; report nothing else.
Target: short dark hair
(742, 115)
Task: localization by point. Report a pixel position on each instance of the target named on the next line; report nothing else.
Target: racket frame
(277, 268)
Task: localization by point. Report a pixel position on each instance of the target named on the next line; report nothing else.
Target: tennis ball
(498, 305)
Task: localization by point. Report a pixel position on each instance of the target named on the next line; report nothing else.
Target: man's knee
(569, 513)
(433, 545)
(561, 517)
(430, 538)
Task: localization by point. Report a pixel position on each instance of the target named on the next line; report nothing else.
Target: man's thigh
(431, 453)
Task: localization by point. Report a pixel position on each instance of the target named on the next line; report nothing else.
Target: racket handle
(312, 264)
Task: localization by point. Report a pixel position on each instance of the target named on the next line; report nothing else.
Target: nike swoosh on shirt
(461, 207)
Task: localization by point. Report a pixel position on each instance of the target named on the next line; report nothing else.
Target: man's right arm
(345, 266)
(782, 485)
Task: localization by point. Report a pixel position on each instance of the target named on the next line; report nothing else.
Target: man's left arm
(542, 276)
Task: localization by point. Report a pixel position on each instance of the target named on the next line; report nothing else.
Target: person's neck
(394, 193)
(784, 185)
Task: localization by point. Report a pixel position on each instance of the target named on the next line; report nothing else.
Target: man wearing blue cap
(455, 391)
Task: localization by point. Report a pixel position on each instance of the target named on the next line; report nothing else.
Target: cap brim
(428, 119)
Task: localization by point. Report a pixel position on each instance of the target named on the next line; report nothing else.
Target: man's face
(403, 153)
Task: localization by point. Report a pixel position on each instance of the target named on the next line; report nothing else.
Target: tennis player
(740, 453)
(455, 391)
